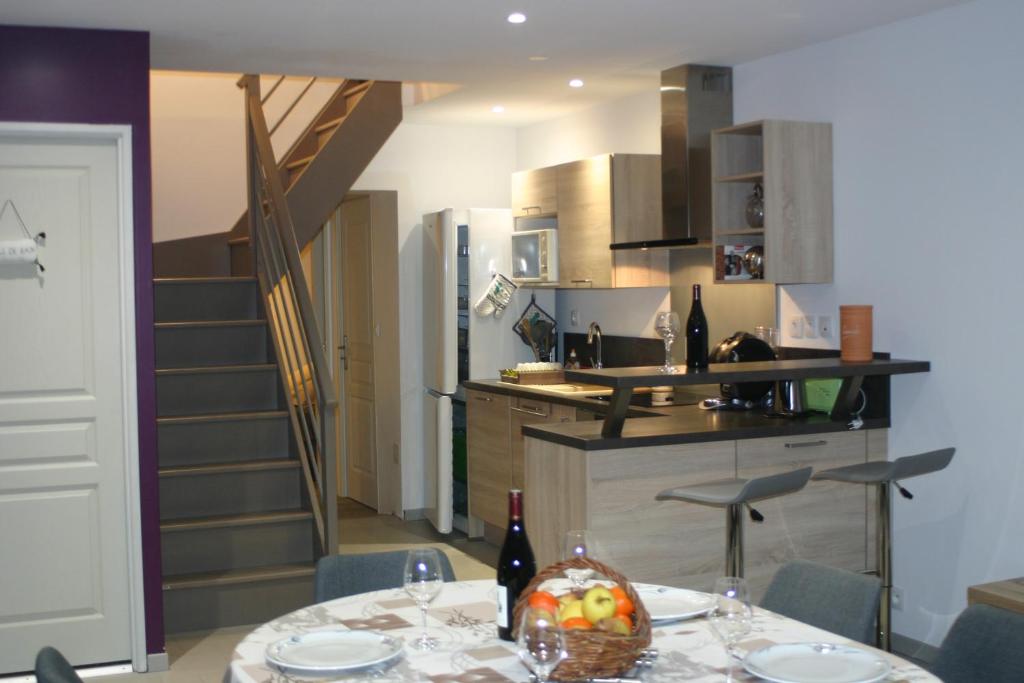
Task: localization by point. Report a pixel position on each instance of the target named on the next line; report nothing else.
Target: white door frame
(121, 136)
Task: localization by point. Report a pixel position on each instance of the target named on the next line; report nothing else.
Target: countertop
(664, 425)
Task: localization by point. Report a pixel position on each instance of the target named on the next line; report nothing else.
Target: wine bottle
(696, 334)
(516, 566)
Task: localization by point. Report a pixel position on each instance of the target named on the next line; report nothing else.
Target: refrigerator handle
(344, 351)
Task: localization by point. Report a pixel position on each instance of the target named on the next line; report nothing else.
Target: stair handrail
(295, 333)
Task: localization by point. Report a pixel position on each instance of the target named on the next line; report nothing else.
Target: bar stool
(733, 494)
(882, 473)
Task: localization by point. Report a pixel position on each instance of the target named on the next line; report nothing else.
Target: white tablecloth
(462, 618)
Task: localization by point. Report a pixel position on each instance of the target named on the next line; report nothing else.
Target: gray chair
(883, 474)
(836, 600)
(985, 644)
(341, 575)
(51, 667)
(733, 495)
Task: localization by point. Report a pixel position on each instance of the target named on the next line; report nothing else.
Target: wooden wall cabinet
(495, 447)
(792, 161)
(604, 199)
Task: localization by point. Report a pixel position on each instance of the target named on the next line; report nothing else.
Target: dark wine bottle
(516, 566)
(696, 334)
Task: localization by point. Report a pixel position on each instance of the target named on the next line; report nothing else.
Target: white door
(66, 405)
(437, 457)
(357, 352)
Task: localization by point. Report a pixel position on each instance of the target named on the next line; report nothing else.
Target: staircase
(237, 536)
(247, 485)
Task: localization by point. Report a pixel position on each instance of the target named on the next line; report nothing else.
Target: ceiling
(617, 47)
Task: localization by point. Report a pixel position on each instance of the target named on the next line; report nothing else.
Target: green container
(822, 394)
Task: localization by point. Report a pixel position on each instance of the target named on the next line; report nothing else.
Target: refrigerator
(462, 251)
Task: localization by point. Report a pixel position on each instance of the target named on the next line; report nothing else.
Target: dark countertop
(690, 424)
(724, 373)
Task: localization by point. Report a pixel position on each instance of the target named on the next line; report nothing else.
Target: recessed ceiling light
(497, 109)
(576, 83)
(516, 18)
(538, 58)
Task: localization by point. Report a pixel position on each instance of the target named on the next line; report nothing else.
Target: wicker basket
(594, 654)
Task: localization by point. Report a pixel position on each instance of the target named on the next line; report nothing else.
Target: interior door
(64, 540)
(357, 352)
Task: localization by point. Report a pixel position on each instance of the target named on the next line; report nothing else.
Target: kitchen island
(577, 476)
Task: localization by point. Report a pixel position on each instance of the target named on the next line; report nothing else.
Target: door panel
(437, 453)
(63, 507)
(360, 421)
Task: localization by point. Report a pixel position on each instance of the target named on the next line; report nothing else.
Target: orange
(623, 605)
(578, 623)
(545, 601)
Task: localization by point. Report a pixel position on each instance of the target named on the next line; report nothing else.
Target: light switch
(796, 327)
(574, 317)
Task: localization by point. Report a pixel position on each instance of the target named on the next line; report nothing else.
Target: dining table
(462, 619)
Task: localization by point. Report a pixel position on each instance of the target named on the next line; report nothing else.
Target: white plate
(665, 603)
(817, 663)
(329, 652)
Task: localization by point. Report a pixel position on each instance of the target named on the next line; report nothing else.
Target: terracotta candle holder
(855, 333)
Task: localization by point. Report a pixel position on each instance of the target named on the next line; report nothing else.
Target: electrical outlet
(897, 598)
(796, 327)
(810, 328)
(825, 326)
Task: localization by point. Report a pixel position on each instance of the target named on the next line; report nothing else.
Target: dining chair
(341, 575)
(840, 601)
(51, 667)
(985, 644)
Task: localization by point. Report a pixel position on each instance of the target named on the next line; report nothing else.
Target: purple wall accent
(83, 76)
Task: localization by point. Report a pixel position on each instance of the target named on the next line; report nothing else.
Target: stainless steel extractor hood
(695, 100)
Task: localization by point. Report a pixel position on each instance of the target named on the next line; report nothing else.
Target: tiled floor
(203, 657)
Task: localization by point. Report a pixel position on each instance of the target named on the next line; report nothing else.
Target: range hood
(695, 100)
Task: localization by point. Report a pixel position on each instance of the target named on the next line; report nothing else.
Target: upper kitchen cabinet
(789, 164)
(598, 201)
(535, 193)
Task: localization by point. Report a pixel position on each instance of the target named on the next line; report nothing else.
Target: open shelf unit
(792, 161)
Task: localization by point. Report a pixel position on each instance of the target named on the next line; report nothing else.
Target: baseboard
(905, 646)
(414, 515)
(158, 662)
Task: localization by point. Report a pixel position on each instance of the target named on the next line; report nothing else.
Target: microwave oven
(535, 256)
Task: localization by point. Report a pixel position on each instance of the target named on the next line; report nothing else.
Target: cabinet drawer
(526, 411)
(488, 463)
(826, 522)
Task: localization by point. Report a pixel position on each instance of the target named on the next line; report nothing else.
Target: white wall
(928, 220)
(627, 125)
(432, 167)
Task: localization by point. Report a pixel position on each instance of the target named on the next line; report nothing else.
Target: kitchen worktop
(565, 398)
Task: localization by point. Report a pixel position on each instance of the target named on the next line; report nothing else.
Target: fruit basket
(593, 653)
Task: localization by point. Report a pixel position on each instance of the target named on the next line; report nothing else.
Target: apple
(613, 625)
(567, 598)
(573, 609)
(598, 604)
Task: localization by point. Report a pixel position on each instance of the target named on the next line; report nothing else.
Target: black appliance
(742, 347)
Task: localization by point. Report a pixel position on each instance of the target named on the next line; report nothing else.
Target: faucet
(595, 329)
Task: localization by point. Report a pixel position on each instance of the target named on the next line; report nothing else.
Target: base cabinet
(612, 492)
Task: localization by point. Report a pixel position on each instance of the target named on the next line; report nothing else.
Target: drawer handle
(536, 413)
(807, 444)
(484, 398)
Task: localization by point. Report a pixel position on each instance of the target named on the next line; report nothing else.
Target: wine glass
(540, 643)
(577, 543)
(423, 581)
(731, 618)
(666, 324)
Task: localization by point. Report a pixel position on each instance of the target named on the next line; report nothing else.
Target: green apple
(570, 610)
(613, 625)
(598, 604)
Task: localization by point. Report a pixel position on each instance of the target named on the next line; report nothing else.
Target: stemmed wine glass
(577, 544)
(732, 617)
(540, 643)
(666, 324)
(423, 581)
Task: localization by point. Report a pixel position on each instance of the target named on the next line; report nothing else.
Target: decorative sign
(24, 250)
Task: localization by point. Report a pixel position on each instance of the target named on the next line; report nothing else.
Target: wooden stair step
(328, 125)
(234, 241)
(224, 521)
(228, 280)
(238, 576)
(229, 468)
(212, 369)
(357, 88)
(223, 417)
(186, 324)
(299, 163)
